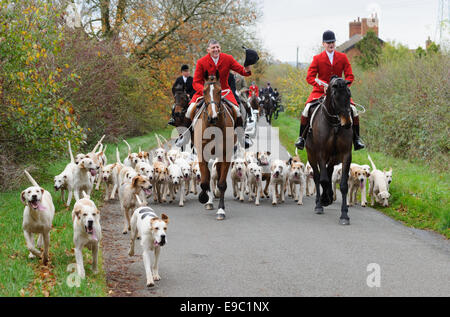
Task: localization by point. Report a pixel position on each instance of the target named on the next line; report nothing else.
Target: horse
(268, 107)
(254, 104)
(329, 142)
(181, 102)
(214, 113)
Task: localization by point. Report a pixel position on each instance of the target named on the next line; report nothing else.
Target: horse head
(181, 100)
(212, 94)
(339, 96)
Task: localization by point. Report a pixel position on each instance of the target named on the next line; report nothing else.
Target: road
(286, 250)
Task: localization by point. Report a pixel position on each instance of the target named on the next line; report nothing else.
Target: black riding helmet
(328, 37)
(251, 57)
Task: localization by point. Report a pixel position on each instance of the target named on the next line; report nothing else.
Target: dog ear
(390, 169)
(77, 213)
(22, 198)
(42, 191)
(289, 162)
(232, 164)
(135, 180)
(268, 153)
(165, 218)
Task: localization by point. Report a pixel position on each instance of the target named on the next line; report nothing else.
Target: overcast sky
(287, 24)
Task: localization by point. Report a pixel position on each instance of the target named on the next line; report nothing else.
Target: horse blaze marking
(211, 91)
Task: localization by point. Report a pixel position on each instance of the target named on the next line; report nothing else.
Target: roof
(346, 46)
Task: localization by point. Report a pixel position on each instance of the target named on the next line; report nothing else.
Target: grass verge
(21, 276)
(419, 196)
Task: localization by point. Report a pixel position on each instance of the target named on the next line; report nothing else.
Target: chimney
(369, 24)
(354, 28)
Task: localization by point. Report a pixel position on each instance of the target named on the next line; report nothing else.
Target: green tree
(370, 48)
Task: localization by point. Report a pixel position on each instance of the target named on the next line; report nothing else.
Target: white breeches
(308, 105)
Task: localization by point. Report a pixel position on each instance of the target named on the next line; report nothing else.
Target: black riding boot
(357, 143)
(300, 144)
(172, 120)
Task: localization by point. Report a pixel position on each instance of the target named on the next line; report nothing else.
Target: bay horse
(329, 143)
(215, 114)
(181, 102)
(268, 107)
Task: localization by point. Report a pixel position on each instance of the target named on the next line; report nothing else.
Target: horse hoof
(344, 222)
(203, 198)
(209, 206)
(319, 210)
(220, 214)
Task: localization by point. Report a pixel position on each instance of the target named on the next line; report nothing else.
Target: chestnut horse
(329, 143)
(218, 115)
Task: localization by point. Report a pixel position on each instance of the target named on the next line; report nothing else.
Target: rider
(253, 91)
(325, 65)
(184, 80)
(268, 89)
(232, 83)
(212, 62)
(276, 95)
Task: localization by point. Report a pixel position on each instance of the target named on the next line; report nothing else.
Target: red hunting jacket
(321, 66)
(224, 65)
(253, 91)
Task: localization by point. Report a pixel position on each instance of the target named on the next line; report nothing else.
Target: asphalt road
(286, 250)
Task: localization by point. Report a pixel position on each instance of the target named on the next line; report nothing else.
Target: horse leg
(316, 175)
(222, 185)
(344, 219)
(325, 198)
(204, 185)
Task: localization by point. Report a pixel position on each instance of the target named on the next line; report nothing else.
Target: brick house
(357, 29)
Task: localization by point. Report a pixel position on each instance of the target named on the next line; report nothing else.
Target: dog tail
(158, 140)
(31, 179)
(140, 150)
(98, 144)
(118, 156)
(72, 160)
(138, 200)
(165, 140)
(85, 195)
(129, 147)
(100, 149)
(296, 151)
(371, 162)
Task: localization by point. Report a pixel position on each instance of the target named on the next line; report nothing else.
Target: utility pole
(296, 65)
(442, 7)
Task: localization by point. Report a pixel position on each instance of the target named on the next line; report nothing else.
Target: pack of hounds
(168, 174)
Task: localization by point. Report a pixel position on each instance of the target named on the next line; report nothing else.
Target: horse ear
(206, 75)
(217, 74)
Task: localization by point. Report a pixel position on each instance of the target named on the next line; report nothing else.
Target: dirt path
(121, 280)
